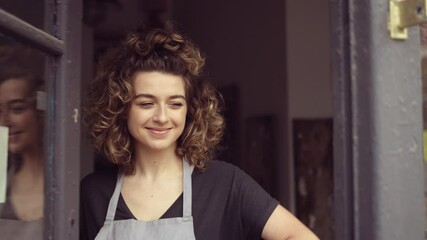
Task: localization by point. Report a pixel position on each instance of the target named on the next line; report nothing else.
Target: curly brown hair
(112, 92)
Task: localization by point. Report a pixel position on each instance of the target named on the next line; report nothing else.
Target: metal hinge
(403, 14)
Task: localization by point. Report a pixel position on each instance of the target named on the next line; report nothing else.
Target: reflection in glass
(22, 112)
(33, 15)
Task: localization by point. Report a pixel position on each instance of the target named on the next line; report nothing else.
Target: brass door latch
(403, 14)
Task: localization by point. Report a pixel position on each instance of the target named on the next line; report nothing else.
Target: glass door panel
(23, 98)
(30, 11)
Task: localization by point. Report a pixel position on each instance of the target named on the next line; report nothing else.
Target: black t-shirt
(227, 203)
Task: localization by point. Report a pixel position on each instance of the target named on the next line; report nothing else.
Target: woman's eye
(145, 104)
(176, 105)
(17, 109)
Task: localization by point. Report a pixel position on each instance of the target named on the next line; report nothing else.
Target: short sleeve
(255, 203)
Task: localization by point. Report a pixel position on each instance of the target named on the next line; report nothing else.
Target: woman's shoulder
(219, 164)
(99, 182)
(96, 190)
(217, 170)
(99, 176)
(220, 167)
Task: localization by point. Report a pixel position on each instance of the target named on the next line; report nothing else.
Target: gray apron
(15, 229)
(21, 230)
(178, 228)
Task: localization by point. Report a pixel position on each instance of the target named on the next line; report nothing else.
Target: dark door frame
(61, 40)
(379, 172)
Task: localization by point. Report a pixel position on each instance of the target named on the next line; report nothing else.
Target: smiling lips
(13, 136)
(158, 132)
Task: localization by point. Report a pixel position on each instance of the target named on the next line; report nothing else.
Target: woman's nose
(161, 115)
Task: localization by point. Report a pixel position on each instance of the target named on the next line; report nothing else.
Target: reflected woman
(21, 215)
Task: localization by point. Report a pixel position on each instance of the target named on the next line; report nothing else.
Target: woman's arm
(282, 225)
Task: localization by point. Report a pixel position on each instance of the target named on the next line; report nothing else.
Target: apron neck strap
(112, 206)
(187, 192)
(187, 201)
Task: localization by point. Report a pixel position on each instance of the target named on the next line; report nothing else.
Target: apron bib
(21, 230)
(15, 229)
(178, 228)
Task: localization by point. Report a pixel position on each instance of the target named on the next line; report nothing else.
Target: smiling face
(157, 115)
(18, 113)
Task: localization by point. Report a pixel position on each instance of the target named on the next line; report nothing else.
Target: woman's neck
(155, 164)
(32, 164)
(27, 187)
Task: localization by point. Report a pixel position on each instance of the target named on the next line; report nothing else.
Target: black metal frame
(343, 176)
(63, 123)
(28, 34)
(379, 176)
(66, 158)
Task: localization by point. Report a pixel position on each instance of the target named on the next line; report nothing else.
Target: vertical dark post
(343, 175)
(66, 105)
(378, 126)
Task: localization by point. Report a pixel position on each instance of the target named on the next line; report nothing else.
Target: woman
(21, 216)
(153, 115)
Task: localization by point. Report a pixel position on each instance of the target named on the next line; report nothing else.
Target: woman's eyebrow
(19, 100)
(177, 96)
(145, 95)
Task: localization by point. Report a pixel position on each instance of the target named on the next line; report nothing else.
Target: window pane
(22, 121)
(28, 10)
